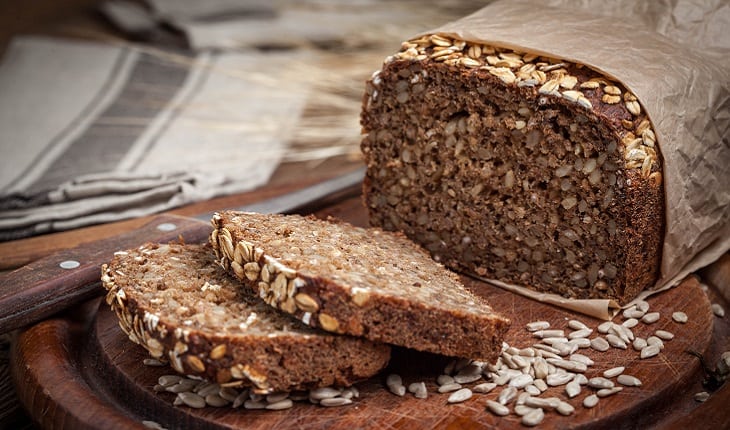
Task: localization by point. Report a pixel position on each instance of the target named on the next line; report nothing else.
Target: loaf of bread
(180, 305)
(356, 281)
(515, 167)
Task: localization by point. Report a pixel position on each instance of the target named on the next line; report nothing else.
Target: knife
(71, 276)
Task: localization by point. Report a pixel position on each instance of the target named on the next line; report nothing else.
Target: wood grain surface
(80, 371)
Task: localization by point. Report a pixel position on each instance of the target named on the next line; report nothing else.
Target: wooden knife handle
(72, 276)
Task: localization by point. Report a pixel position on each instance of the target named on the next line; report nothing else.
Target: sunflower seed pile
(519, 381)
(198, 393)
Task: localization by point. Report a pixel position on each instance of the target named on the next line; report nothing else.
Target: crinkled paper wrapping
(684, 89)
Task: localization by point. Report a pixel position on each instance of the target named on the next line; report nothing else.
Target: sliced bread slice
(182, 307)
(356, 281)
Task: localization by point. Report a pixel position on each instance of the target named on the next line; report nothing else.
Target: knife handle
(71, 276)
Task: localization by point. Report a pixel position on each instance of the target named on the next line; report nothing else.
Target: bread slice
(356, 281)
(510, 166)
(175, 301)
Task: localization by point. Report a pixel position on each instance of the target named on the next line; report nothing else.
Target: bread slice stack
(175, 301)
(306, 303)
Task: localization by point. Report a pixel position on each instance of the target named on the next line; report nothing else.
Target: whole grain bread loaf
(180, 305)
(525, 169)
(356, 281)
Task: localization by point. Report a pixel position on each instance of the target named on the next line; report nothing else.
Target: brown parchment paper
(684, 88)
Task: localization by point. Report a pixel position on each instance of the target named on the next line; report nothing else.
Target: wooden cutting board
(79, 371)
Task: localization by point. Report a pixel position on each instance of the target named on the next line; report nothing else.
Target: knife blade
(71, 276)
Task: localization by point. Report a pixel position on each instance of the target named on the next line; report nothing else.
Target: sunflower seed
(459, 396)
(276, 397)
(605, 392)
(467, 379)
(654, 340)
(613, 372)
(557, 379)
(532, 390)
(540, 402)
(573, 366)
(280, 405)
(239, 400)
(418, 389)
(679, 317)
(577, 325)
(633, 107)
(216, 400)
(191, 399)
(520, 361)
(664, 335)
(467, 372)
(527, 352)
(521, 381)
(448, 388)
(169, 380)
(582, 342)
(702, 396)
(533, 417)
(628, 380)
(718, 310)
(323, 393)
(542, 334)
(395, 384)
(522, 410)
(207, 388)
(630, 323)
(642, 305)
(650, 318)
(582, 359)
(600, 344)
(600, 382)
(633, 312)
(582, 333)
(565, 408)
(615, 341)
(507, 394)
(497, 408)
(484, 387)
(540, 384)
(538, 325)
(639, 343)
(335, 401)
(152, 425)
(590, 401)
(650, 351)
(604, 327)
(572, 389)
(444, 379)
(622, 332)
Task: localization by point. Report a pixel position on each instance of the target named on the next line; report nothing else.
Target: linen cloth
(92, 132)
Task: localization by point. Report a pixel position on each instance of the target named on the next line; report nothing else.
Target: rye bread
(530, 170)
(181, 306)
(356, 281)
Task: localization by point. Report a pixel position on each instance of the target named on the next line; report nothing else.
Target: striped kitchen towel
(93, 132)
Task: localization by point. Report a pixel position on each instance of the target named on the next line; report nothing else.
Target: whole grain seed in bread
(356, 281)
(526, 169)
(180, 305)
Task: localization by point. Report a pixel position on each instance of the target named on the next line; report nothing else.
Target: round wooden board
(80, 371)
